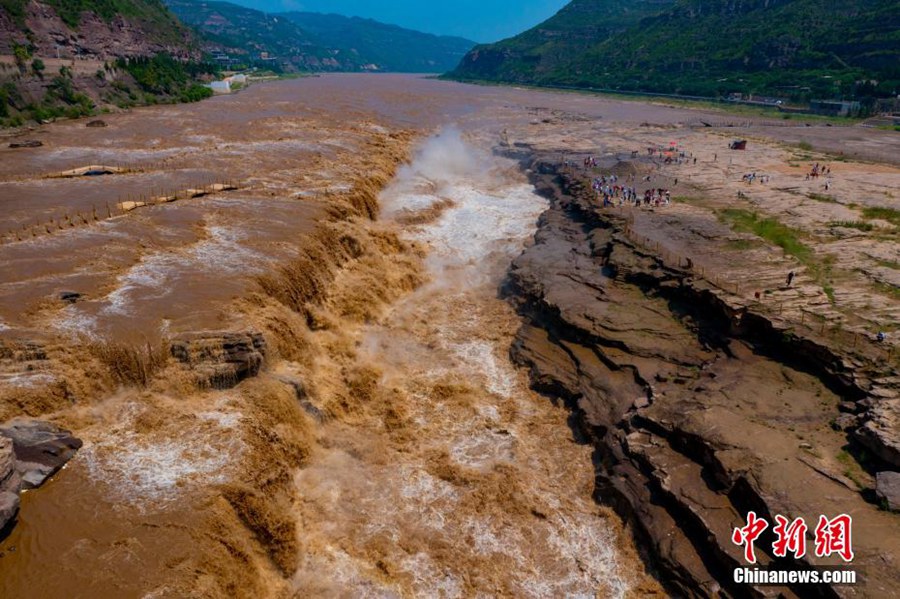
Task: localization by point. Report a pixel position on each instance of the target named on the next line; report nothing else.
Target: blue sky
(478, 20)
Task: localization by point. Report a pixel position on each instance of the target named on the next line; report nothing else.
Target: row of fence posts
(140, 167)
(105, 212)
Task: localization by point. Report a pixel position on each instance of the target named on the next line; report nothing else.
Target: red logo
(833, 536)
(790, 537)
(746, 535)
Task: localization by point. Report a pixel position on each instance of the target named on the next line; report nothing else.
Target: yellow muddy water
(470, 483)
(416, 462)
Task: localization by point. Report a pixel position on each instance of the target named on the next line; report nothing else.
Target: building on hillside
(220, 87)
(888, 106)
(224, 59)
(754, 100)
(834, 107)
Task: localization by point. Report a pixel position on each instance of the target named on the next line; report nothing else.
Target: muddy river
(419, 462)
(292, 374)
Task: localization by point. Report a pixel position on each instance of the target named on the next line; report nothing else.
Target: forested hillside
(251, 35)
(387, 47)
(317, 42)
(793, 48)
(78, 57)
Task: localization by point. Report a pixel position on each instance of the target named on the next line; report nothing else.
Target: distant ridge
(391, 47)
(797, 49)
(317, 42)
(251, 35)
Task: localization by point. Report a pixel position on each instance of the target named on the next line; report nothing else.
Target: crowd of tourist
(611, 193)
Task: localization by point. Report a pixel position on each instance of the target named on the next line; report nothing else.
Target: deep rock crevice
(698, 407)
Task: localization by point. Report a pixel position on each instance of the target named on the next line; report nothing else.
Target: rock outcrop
(887, 487)
(31, 143)
(31, 451)
(220, 360)
(881, 431)
(45, 29)
(9, 484)
(700, 409)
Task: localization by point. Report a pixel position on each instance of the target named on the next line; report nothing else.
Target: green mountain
(318, 42)
(93, 28)
(389, 47)
(251, 36)
(76, 57)
(552, 52)
(151, 13)
(789, 48)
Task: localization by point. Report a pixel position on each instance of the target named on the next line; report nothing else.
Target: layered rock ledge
(701, 408)
(220, 360)
(31, 451)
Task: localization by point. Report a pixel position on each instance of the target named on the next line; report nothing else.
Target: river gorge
(374, 335)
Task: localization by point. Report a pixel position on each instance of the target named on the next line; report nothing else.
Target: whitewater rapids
(475, 486)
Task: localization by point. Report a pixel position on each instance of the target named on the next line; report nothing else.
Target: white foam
(203, 139)
(151, 470)
(27, 380)
(149, 273)
(478, 356)
(571, 555)
(74, 323)
(223, 251)
(428, 580)
(487, 540)
(225, 420)
(445, 331)
(483, 223)
(334, 569)
(424, 488)
(489, 412)
(115, 155)
(482, 449)
(583, 540)
(247, 148)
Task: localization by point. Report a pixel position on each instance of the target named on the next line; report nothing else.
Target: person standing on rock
(790, 278)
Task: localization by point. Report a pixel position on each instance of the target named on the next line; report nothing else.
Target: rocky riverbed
(702, 406)
(31, 451)
(289, 368)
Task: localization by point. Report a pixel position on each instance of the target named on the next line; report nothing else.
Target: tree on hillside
(21, 55)
(37, 67)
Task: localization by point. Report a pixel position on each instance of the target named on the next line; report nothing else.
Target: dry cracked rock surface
(700, 410)
(31, 451)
